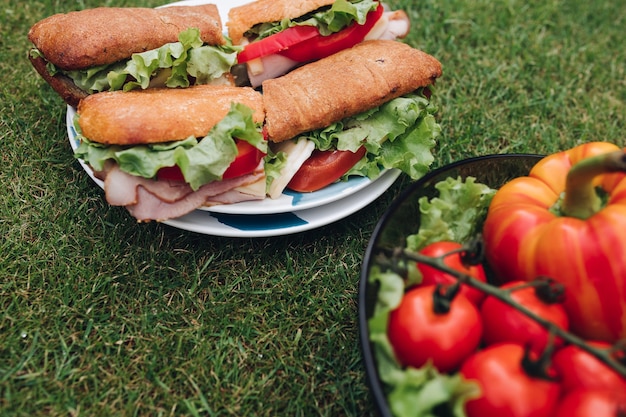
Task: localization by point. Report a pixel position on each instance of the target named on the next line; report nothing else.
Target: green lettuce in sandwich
(358, 112)
(164, 152)
(108, 48)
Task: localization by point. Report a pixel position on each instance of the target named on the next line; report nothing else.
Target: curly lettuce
(456, 214)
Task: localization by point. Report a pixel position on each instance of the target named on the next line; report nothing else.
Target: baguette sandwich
(116, 48)
(165, 152)
(279, 35)
(357, 112)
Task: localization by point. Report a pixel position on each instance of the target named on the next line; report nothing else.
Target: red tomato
(579, 369)
(506, 389)
(503, 323)
(432, 275)
(305, 43)
(277, 42)
(247, 159)
(592, 403)
(170, 174)
(419, 334)
(323, 168)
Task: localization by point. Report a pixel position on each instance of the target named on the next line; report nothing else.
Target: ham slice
(149, 199)
(391, 26)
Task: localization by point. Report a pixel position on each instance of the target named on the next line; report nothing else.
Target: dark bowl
(400, 220)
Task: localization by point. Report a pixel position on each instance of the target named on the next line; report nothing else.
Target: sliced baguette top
(242, 18)
(161, 114)
(343, 85)
(103, 35)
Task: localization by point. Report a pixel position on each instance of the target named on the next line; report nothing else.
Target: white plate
(269, 217)
(266, 225)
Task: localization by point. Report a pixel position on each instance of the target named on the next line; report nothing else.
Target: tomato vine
(396, 259)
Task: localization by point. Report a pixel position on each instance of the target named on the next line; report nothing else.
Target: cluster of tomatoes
(520, 368)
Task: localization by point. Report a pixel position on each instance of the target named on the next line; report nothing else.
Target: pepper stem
(581, 199)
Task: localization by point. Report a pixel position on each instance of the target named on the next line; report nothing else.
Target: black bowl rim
(371, 369)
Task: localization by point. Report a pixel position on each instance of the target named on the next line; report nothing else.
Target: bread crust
(103, 35)
(64, 86)
(242, 18)
(343, 85)
(161, 114)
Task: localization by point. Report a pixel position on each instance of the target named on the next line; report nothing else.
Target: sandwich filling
(274, 48)
(131, 174)
(398, 134)
(177, 64)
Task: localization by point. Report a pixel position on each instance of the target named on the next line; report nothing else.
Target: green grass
(102, 316)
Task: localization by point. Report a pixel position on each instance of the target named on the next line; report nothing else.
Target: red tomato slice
(323, 46)
(248, 157)
(170, 174)
(277, 42)
(323, 168)
(305, 43)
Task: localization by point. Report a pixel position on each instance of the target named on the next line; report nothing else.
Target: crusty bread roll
(161, 114)
(242, 18)
(343, 85)
(103, 35)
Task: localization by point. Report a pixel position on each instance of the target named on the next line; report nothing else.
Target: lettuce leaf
(328, 20)
(172, 64)
(399, 134)
(201, 161)
(456, 214)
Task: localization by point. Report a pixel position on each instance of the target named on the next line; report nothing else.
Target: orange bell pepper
(567, 220)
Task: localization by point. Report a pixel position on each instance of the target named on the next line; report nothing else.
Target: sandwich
(359, 112)
(279, 35)
(165, 152)
(115, 48)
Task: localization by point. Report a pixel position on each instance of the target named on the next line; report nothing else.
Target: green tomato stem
(581, 200)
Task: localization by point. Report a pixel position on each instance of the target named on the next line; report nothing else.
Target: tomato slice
(277, 42)
(248, 157)
(322, 46)
(323, 168)
(170, 174)
(305, 43)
